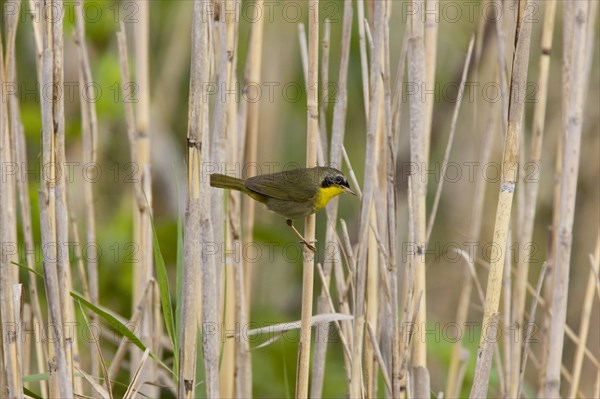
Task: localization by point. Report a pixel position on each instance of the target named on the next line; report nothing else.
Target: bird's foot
(302, 239)
(309, 245)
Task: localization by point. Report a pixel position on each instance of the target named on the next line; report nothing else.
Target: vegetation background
(276, 259)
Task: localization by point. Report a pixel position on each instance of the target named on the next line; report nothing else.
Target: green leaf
(165, 295)
(39, 274)
(31, 393)
(118, 325)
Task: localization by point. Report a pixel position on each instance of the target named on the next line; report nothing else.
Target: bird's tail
(228, 182)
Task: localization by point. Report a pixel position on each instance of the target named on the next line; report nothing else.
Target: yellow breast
(325, 195)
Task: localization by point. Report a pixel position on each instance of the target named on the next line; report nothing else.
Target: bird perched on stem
(293, 194)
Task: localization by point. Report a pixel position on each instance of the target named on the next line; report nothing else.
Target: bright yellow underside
(326, 194)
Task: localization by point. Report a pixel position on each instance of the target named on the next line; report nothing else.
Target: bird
(293, 194)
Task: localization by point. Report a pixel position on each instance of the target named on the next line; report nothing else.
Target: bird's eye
(339, 180)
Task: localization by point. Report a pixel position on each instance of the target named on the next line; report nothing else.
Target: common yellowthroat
(293, 194)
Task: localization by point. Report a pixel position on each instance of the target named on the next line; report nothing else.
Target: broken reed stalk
(416, 75)
(312, 138)
(503, 211)
(571, 139)
(89, 133)
(531, 191)
(191, 270)
(332, 254)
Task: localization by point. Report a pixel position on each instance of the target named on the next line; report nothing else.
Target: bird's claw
(309, 246)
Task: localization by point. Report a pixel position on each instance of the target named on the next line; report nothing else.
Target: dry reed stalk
(532, 312)
(572, 119)
(60, 382)
(531, 191)
(61, 207)
(312, 134)
(323, 106)
(500, 24)
(376, 248)
(192, 234)
(151, 326)
(372, 288)
(252, 78)
(416, 75)
(332, 254)
(121, 351)
(364, 62)
(89, 131)
(369, 187)
(453, 384)
(34, 300)
(10, 129)
(10, 373)
(461, 90)
(392, 313)
(221, 72)
(378, 262)
(331, 309)
(225, 137)
(248, 128)
(57, 362)
(142, 199)
(584, 323)
(503, 210)
(548, 291)
(507, 343)
(379, 357)
(430, 36)
(210, 301)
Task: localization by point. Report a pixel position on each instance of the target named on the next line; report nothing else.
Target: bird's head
(333, 178)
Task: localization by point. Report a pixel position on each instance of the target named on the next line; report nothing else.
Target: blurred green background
(276, 290)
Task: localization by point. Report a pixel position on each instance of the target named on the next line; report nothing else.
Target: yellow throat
(325, 195)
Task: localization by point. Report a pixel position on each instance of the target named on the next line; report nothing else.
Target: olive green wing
(293, 185)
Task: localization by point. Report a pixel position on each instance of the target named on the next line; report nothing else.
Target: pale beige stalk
(431, 33)
(531, 191)
(367, 204)
(571, 148)
(503, 210)
(309, 226)
(332, 249)
(248, 128)
(89, 132)
(225, 153)
(416, 75)
(192, 263)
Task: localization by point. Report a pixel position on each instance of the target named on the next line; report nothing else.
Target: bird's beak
(348, 190)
